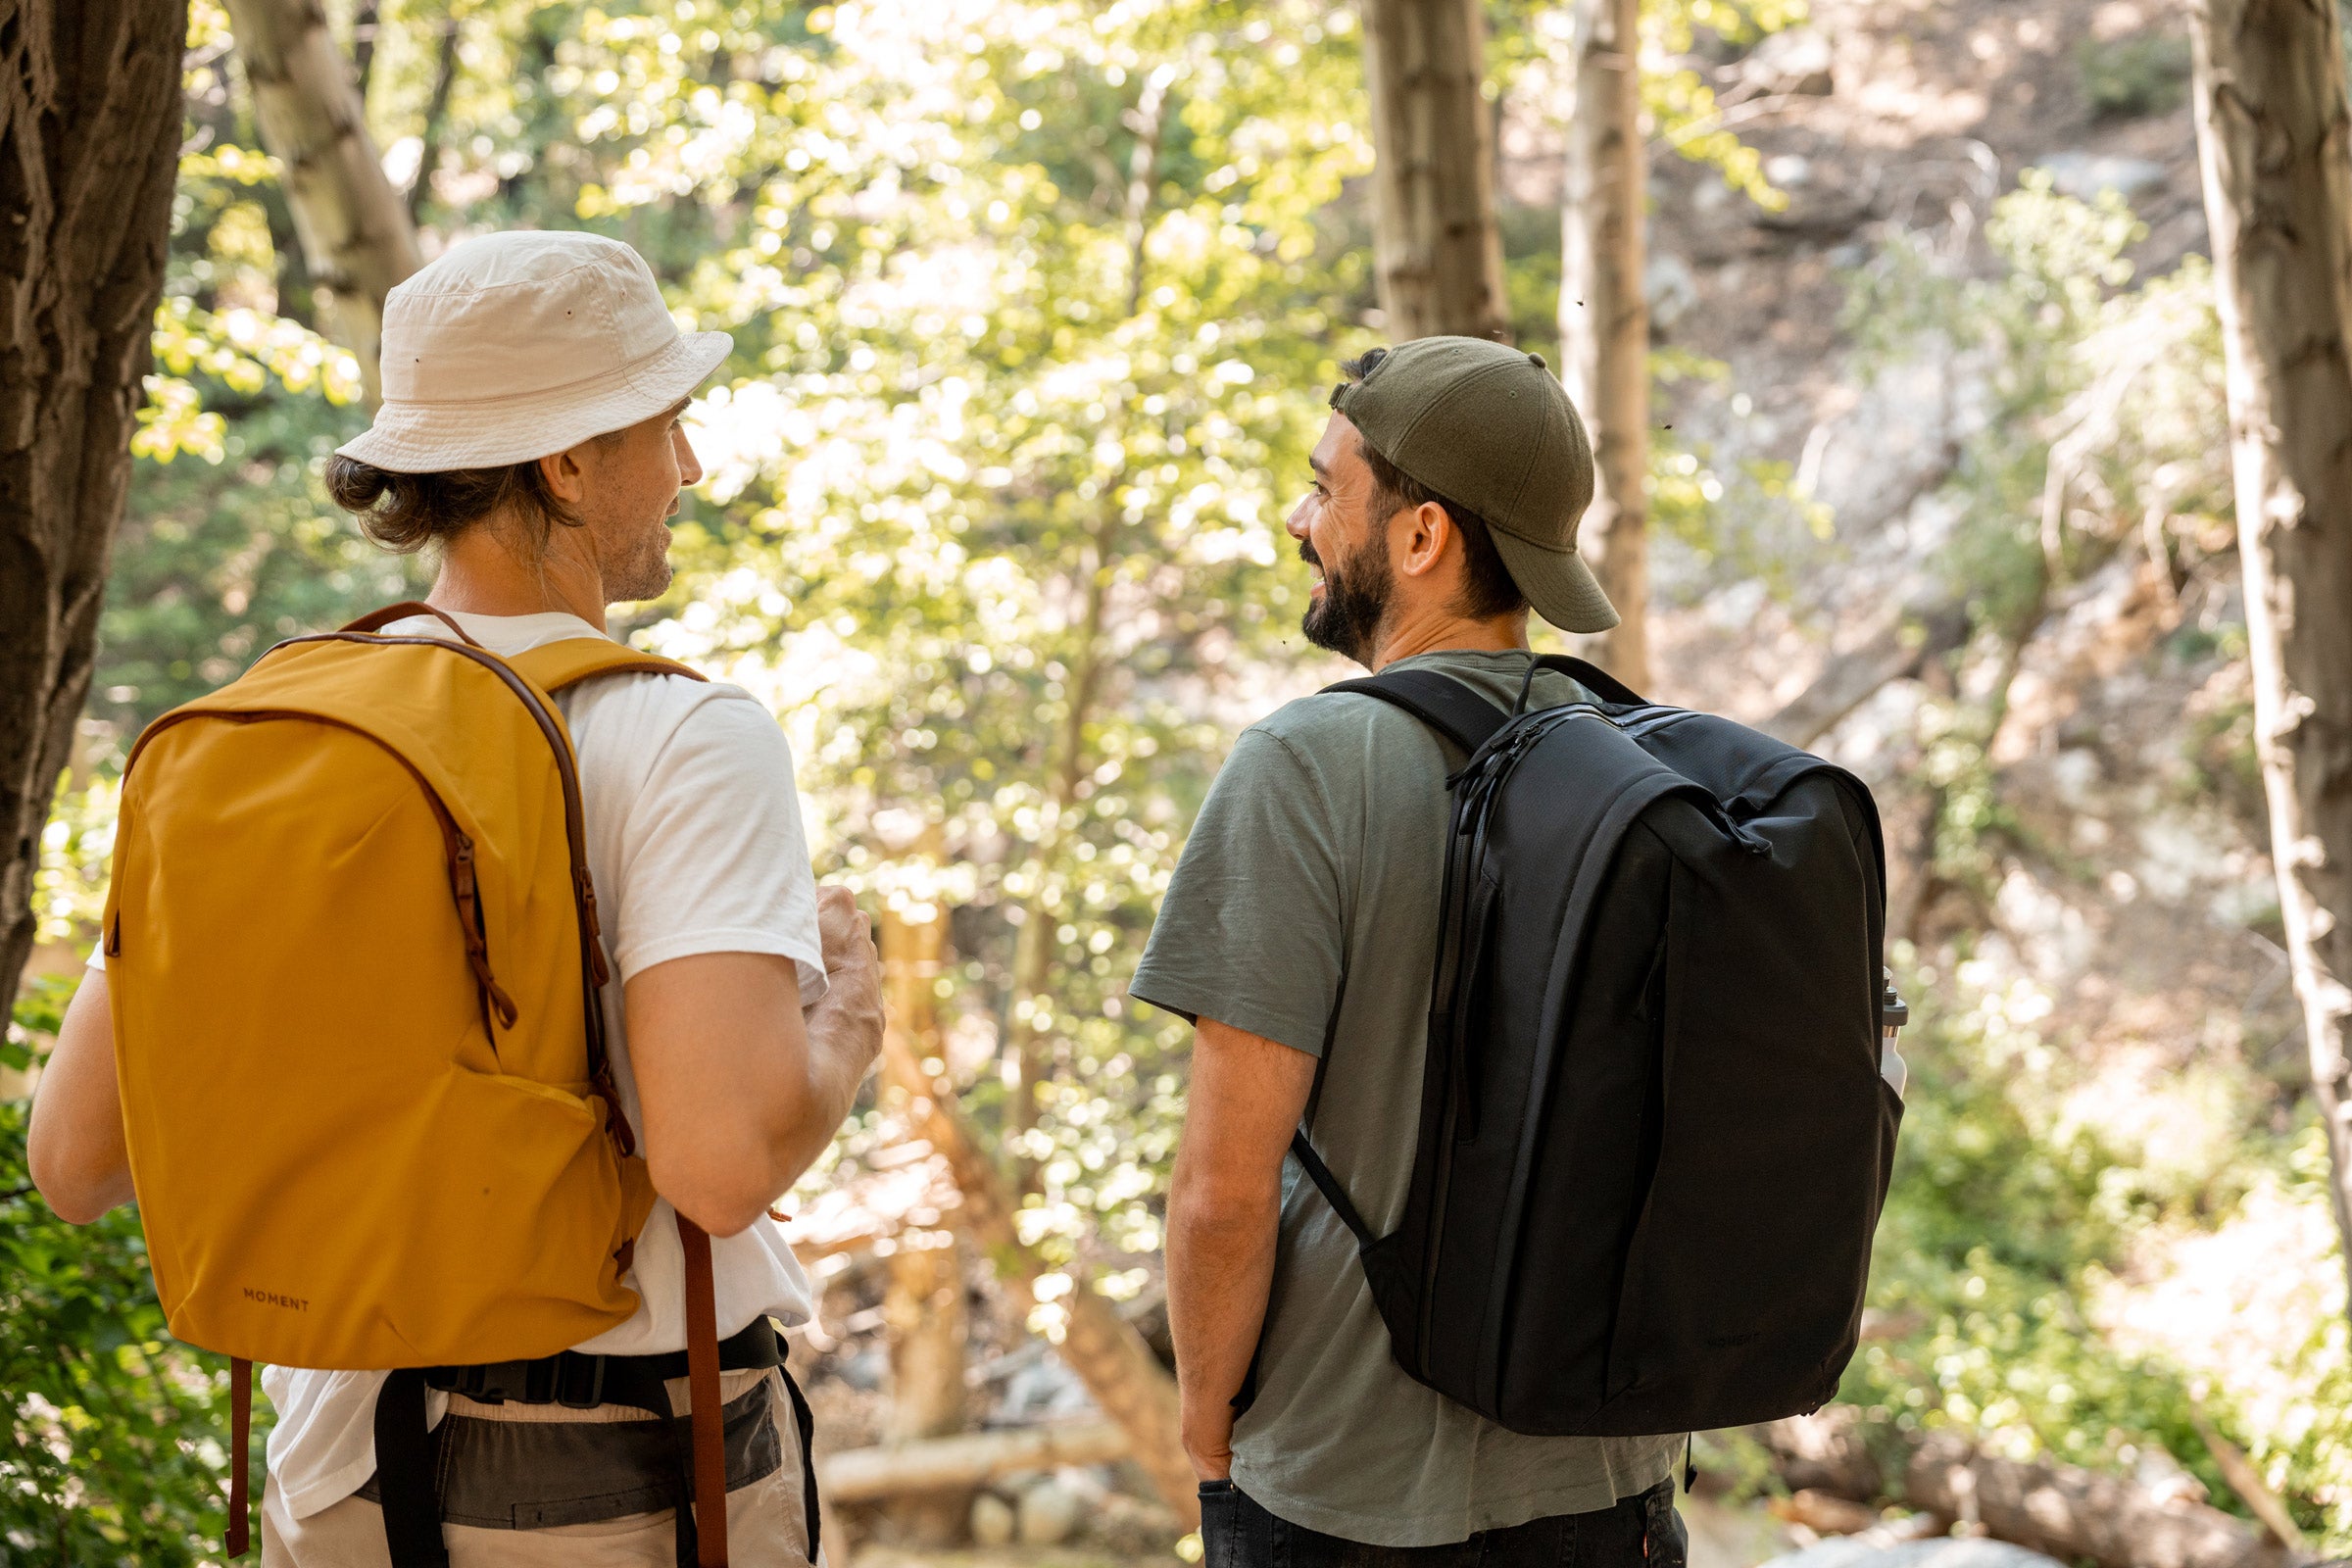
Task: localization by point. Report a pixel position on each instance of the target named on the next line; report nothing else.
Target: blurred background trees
(1905, 354)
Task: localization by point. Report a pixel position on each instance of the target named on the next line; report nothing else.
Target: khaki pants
(766, 1520)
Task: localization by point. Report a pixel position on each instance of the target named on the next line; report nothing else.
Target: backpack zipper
(1475, 804)
(456, 846)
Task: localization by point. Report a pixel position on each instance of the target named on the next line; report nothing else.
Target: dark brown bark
(363, 26)
(436, 117)
(1605, 317)
(1437, 247)
(2271, 128)
(355, 231)
(90, 142)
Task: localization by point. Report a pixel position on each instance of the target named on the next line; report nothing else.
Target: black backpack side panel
(1744, 1279)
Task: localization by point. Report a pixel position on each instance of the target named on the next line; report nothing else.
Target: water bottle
(1896, 1013)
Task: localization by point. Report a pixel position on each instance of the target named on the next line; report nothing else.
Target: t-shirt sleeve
(713, 855)
(1252, 930)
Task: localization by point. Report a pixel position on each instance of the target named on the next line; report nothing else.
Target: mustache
(1306, 553)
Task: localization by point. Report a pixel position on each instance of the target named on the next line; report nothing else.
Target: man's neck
(481, 575)
(1411, 636)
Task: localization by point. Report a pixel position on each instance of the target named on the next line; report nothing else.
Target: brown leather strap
(702, 1380)
(376, 620)
(240, 1432)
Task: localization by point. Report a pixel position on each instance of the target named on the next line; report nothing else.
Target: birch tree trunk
(1605, 318)
(1436, 245)
(922, 1305)
(90, 149)
(355, 228)
(2271, 123)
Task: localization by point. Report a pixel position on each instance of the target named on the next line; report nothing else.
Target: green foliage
(2005, 1225)
(2144, 74)
(2105, 427)
(117, 1448)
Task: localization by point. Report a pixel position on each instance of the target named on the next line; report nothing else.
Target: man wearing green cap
(1298, 933)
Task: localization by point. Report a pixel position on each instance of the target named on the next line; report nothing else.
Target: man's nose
(1295, 523)
(690, 466)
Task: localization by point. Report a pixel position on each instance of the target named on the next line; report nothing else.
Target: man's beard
(1347, 618)
(644, 573)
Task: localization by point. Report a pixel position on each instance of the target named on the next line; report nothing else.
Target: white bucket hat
(511, 347)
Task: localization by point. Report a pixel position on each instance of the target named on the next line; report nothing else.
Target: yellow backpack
(351, 949)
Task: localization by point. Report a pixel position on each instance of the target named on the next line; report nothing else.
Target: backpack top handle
(1595, 679)
(378, 620)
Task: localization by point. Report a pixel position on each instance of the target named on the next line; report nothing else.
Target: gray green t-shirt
(1304, 909)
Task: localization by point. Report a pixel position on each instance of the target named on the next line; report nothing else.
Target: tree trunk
(2272, 122)
(436, 119)
(89, 150)
(1436, 245)
(1605, 317)
(922, 1305)
(355, 229)
(1105, 1349)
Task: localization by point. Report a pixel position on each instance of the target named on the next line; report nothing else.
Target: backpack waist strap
(579, 1381)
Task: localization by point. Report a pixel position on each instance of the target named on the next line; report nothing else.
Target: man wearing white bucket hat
(530, 436)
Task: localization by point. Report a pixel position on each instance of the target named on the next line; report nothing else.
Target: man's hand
(1224, 1210)
(1207, 1427)
(848, 1018)
(743, 1090)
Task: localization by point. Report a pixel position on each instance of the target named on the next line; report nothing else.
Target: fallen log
(2069, 1513)
(960, 1464)
(2078, 1514)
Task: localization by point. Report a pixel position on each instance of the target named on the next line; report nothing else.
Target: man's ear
(1428, 530)
(565, 476)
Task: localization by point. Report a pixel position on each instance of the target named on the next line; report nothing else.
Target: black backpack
(1654, 1138)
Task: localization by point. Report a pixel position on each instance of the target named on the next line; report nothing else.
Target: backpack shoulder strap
(552, 667)
(1440, 701)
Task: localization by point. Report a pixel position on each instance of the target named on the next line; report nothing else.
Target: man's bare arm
(740, 1092)
(1224, 1210)
(74, 1145)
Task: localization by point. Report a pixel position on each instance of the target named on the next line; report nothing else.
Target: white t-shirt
(696, 844)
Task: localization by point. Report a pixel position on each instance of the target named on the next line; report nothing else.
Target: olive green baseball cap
(1491, 428)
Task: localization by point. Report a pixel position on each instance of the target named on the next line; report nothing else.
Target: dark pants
(1641, 1532)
